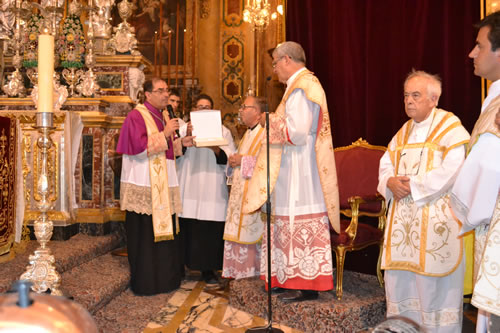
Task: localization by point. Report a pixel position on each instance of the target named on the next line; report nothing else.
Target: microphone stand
(269, 327)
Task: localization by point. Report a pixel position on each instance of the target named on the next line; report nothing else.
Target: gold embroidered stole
(240, 227)
(485, 123)
(162, 217)
(325, 160)
(486, 294)
(423, 240)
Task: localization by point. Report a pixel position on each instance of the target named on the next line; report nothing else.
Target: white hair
(434, 85)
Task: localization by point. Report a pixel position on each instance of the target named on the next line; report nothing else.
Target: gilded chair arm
(355, 213)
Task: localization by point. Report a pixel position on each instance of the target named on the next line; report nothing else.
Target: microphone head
(170, 111)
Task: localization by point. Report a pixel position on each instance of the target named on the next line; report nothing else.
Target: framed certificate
(207, 128)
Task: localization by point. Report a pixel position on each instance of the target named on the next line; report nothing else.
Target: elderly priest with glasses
(423, 253)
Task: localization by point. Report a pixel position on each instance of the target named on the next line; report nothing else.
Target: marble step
(97, 282)
(68, 254)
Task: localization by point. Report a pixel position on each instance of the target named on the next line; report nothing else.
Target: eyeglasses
(275, 62)
(160, 91)
(243, 107)
(408, 166)
(203, 107)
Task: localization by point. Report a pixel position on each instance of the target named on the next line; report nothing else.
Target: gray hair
(291, 49)
(434, 85)
(262, 103)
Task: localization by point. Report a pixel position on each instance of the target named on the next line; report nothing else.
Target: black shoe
(300, 295)
(278, 290)
(211, 281)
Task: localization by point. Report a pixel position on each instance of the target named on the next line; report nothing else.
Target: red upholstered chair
(357, 172)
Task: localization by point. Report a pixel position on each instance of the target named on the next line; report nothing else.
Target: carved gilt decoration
(204, 9)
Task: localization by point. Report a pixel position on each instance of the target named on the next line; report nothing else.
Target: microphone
(171, 115)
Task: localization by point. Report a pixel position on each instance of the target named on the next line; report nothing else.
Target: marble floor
(196, 307)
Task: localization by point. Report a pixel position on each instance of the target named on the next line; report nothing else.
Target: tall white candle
(45, 72)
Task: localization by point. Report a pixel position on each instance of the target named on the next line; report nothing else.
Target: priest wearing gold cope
(423, 253)
(303, 182)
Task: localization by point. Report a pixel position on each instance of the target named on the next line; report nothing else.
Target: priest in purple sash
(149, 193)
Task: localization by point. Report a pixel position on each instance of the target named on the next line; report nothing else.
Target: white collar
(427, 121)
(493, 92)
(294, 75)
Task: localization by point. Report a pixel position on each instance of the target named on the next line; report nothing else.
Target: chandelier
(258, 13)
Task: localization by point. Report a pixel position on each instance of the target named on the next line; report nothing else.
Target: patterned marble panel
(112, 169)
(101, 229)
(119, 109)
(83, 108)
(90, 197)
(87, 166)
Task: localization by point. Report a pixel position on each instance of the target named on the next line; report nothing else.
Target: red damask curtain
(7, 183)
(361, 50)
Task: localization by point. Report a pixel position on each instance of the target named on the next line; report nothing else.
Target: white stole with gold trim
(162, 217)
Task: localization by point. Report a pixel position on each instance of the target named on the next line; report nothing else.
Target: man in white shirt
(204, 196)
(475, 195)
(423, 254)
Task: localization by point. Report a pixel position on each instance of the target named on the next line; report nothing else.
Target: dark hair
(174, 92)
(493, 22)
(204, 96)
(148, 85)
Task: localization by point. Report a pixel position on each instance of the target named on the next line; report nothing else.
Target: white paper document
(207, 128)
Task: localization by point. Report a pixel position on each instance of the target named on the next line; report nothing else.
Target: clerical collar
(493, 92)
(252, 128)
(294, 75)
(151, 107)
(154, 112)
(427, 121)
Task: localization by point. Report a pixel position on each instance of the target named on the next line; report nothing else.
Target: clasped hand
(400, 186)
(234, 160)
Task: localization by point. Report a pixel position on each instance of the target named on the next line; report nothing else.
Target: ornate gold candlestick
(41, 271)
(89, 86)
(15, 85)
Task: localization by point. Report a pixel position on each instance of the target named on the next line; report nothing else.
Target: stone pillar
(209, 49)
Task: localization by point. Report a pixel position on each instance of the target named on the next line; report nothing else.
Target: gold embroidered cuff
(277, 129)
(157, 143)
(178, 147)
